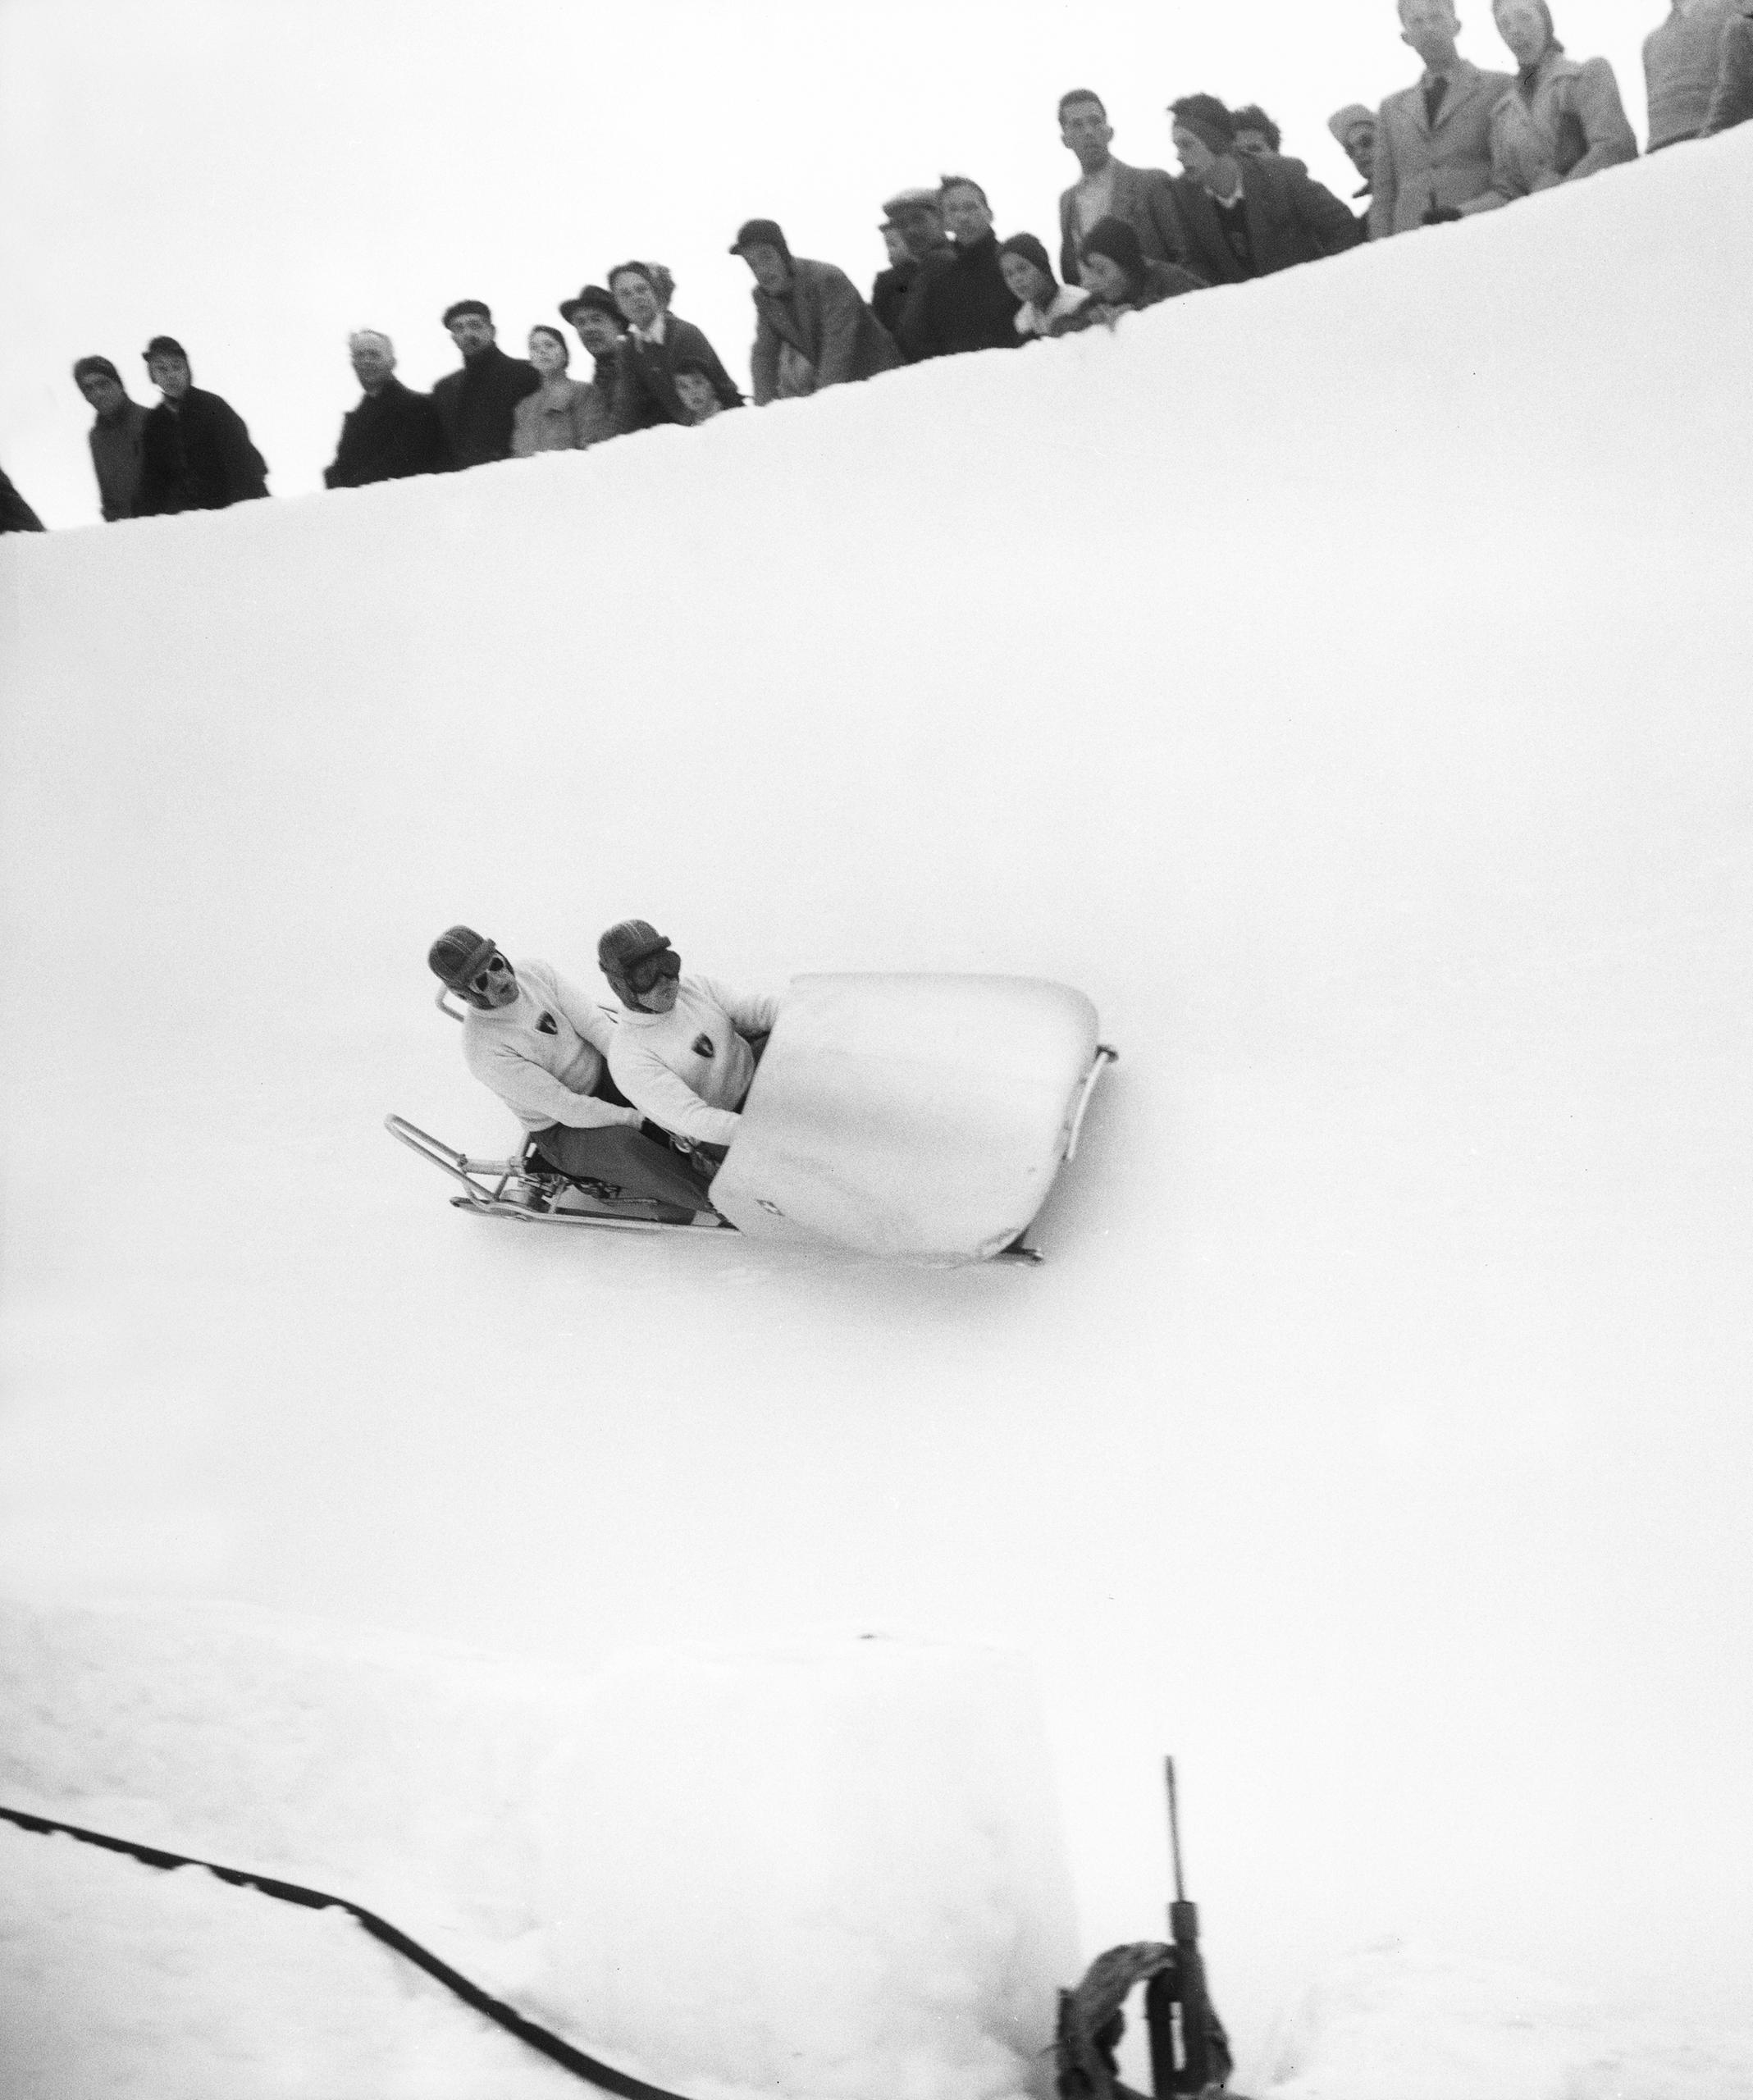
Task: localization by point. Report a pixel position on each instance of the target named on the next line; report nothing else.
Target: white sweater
(542, 1054)
(689, 1069)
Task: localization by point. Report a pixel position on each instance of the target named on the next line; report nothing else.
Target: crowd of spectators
(1462, 139)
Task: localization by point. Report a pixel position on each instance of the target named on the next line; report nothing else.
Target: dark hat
(457, 954)
(760, 233)
(94, 367)
(164, 346)
(1031, 250)
(627, 942)
(594, 298)
(1119, 242)
(459, 308)
(1207, 119)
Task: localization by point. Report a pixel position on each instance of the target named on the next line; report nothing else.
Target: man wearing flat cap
(1249, 217)
(812, 327)
(476, 404)
(394, 432)
(915, 218)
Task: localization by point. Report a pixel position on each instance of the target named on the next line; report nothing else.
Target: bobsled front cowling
(920, 1118)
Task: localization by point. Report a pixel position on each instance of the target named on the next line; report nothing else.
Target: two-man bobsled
(915, 1118)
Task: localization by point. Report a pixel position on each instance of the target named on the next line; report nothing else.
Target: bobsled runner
(914, 1118)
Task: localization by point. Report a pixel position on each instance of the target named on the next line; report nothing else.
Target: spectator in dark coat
(960, 301)
(1433, 140)
(16, 514)
(812, 327)
(393, 432)
(915, 219)
(476, 404)
(1354, 127)
(1249, 218)
(655, 342)
(1732, 102)
(596, 322)
(1682, 61)
(695, 391)
(1144, 197)
(1042, 298)
(117, 436)
(1561, 121)
(1120, 279)
(195, 453)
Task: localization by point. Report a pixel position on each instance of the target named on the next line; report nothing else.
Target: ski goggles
(497, 966)
(643, 975)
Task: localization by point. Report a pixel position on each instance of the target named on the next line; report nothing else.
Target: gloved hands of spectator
(1440, 215)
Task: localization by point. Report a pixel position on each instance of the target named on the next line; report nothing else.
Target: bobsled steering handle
(1104, 1057)
(443, 1003)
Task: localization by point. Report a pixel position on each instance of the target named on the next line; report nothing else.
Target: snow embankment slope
(1343, 680)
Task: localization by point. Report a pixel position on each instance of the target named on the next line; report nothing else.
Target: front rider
(538, 1044)
(686, 1047)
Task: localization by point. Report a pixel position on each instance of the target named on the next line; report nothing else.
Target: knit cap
(1032, 251)
(1116, 239)
(457, 954)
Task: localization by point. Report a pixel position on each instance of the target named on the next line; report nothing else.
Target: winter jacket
(390, 435)
(1563, 123)
(1418, 164)
(16, 514)
(1034, 322)
(566, 419)
(1145, 199)
(645, 388)
(197, 456)
(1732, 102)
(1289, 218)
(1162, 280)
(824, 319)
(1682, 61)
(688, 1069)
(476, 404)
(115, 448)
(542, 1054)
(892, 289)
(959, 303)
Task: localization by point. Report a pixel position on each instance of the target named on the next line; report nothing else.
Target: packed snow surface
(1342, 681)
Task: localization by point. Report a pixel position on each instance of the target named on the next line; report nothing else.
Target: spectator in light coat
(1120, 278)
(914, 221)
(1354, 127)
(655, 342)
(1031, 277)
(394, 432)
(1731, 103)
(562, 414)
(1249, 218)
(117, 436)
(195, 453)
(597, 323)
(476, 405)
(1562, 120)
(1144, 197)
(1682, 61)
(812, 327)
(960, 301)
(1433, 140)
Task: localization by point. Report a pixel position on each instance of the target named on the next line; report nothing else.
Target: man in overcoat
(195, 453)
(116, 438)
(960, 301)
(1249, 217)
(812, 327)
(655, 343)
(1109, 189)
(476, 404)
(393, 431)
(1433, 140)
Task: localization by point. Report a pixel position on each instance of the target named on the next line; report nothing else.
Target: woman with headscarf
(563, 414)
(1562, 119)
(1023, 260)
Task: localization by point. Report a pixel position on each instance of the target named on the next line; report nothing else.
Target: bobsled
(912, 1118)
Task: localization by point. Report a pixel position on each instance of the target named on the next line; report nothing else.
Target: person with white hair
(394, 432)
(1562, 120)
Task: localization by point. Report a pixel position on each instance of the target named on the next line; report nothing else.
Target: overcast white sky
(259, 176)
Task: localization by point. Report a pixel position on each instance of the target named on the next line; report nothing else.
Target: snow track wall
(1343, 680)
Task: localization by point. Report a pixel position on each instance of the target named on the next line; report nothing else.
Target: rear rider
(686, 1047)
(538, 1044)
